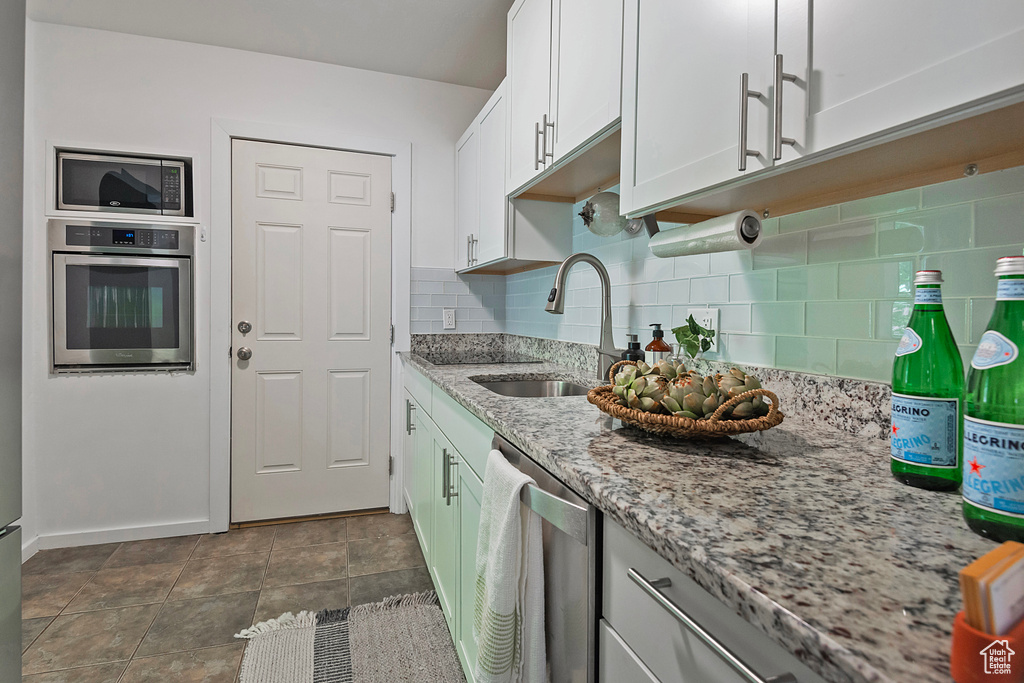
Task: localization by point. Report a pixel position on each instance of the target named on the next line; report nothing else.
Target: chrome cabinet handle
(469, 250)
(780, 76)
(451, 492)
(444, 474)
(244, 353)
(537, 158)
(409, 426)
(473, 242)
(719, 648)
(745, 95)
(544, 144)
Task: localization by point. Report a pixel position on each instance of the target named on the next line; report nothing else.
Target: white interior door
(311, 275)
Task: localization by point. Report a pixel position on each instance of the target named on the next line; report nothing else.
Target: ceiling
(453, 41)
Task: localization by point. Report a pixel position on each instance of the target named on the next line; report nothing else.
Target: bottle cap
(658, 332)
(1010, 265)
(632, 339)
(928, 277)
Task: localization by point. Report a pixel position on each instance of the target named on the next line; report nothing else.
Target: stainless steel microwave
(89, 181)
(121, 296)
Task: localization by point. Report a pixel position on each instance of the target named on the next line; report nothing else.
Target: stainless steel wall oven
(121, 296)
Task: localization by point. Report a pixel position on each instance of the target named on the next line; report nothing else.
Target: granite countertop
(800, 529)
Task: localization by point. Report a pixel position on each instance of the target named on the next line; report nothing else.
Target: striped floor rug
(403, 638)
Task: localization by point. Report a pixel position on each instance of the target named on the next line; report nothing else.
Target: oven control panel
(93, 236)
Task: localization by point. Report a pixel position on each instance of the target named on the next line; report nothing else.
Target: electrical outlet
(708, 319)
(449, 319)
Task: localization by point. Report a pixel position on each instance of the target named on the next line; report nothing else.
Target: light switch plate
(449, 319)
(708, 319)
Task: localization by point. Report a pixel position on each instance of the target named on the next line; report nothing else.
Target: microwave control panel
(92, 236)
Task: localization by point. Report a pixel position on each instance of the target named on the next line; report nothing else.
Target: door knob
(245, 327)
(244, 353)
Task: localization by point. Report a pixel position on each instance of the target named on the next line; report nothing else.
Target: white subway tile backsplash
(877, 280)
(999, 221)
(806, 354)
(777, 318)
(895, 202)
(752, 286)
(840, 319)
(728, 262)
(812, 283)
(692, 266)
(924, 231)
(780, 251)
(846, 242)
(981, 186)
(980, 314)
(656, 269)
(865, 359)
(674, 292)
(805, 220)
(709, 289)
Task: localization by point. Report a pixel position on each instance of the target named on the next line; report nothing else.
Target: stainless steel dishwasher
(570, 533)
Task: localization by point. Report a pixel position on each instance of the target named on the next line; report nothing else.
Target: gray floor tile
(387, 553)
(316, 532)
(123, 586)
(204, 622)
(211, 665)
(45, 595)
(89, 638)
(153, 551)
(104, 673)
(289, 566)
(31, 628)
(374, 526)
(207, 576)
(312, 597)
(376, 587)
(69, 560)
(237, 542)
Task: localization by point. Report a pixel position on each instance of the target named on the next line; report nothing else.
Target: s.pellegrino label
(928, 295)
(1010, 290)
(909, 343)
(994, 349)
(925, 431)
(994, 466)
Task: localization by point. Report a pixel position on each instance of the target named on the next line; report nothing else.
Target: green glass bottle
(994, 422)
(927, 394)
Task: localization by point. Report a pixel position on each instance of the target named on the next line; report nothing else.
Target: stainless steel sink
(533, 388)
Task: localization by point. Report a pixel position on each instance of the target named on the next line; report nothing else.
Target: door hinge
(392, 334)
(231, 352)
(392, 202)
(391, 465)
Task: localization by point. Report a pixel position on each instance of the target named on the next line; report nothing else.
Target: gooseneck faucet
(608, 354)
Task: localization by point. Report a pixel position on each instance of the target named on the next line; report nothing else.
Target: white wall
(128, 456)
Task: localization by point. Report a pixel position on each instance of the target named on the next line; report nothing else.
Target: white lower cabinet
(470, 491)
(669, 651)
(616, 662)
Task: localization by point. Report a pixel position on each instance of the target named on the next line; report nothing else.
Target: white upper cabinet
(492, 244)
(467, 195)
(587, 70)
(682, 100)
(564, 74)
(870, 66)
(831, 73)
(529, 81)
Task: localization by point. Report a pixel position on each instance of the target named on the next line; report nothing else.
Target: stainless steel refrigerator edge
(12, 126)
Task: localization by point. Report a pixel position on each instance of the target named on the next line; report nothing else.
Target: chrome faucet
(608, 355)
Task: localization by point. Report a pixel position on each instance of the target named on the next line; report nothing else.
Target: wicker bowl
(685, 427)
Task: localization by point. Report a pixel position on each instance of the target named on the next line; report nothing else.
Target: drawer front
(664, 644)
(419, 386)
(616, 662)
(470, 437)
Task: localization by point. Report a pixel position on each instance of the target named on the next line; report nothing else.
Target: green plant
(693, 338)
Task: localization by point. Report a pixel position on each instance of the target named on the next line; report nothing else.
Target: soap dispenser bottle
(658, 349)
(633, 351)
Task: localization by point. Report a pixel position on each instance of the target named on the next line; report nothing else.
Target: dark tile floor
(167, 609)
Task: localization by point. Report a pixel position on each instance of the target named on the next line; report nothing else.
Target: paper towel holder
(730, 232)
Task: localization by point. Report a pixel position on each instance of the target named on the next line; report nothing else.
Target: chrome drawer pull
(779, 141)
(727, 655)
(745, 94)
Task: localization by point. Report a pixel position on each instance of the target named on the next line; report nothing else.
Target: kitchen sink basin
(533, 388)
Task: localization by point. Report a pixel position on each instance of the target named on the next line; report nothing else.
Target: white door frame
(222, 131)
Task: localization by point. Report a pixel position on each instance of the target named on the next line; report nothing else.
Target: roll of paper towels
(740, 230)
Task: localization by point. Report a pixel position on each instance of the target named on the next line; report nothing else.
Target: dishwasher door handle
(569, 517)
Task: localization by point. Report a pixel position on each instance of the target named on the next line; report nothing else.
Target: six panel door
(311, 280)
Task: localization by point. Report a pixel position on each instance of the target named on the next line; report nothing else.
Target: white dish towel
(508, 619)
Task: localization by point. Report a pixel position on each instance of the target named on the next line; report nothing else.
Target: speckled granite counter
(801, 530)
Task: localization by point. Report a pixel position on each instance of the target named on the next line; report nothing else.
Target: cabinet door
(875, 65)
(681, 103)
(444, 552)
(470, 491)
(529, 80)
(587, 74)
(467, 195)
(491, 243)
(422, 487)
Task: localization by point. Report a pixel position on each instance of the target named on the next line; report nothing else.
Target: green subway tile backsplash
(827, 291)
